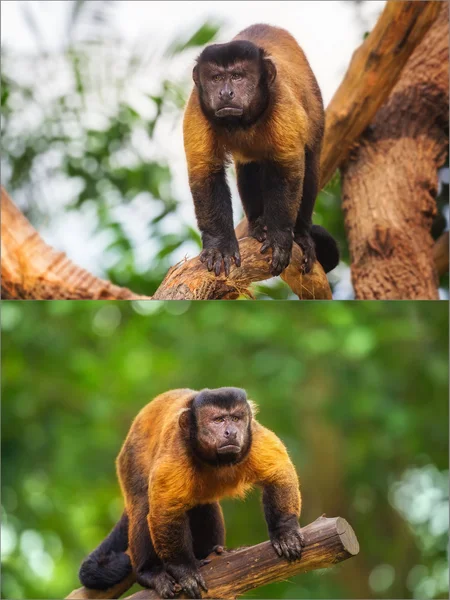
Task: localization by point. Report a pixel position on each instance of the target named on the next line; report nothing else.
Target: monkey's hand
(218, 250)
(306, 243)
(288, 541)
(257, 229)
(159, 580)
(189, 579)
(281, 243)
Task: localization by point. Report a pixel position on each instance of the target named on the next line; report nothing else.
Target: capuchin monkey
(256, 102)
(184, 452)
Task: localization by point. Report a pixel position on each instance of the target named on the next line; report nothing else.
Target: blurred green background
(92, 140)
(357, 391)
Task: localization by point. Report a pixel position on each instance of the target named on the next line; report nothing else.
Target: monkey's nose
(226, 94)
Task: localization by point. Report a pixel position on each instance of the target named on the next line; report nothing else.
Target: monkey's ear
(253, 407)
(195, 75)
(271, 70)
(184, 420)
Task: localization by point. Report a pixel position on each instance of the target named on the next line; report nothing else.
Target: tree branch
(390, 180)
(328, 542)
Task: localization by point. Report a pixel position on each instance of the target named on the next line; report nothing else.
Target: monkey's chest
(224, 486)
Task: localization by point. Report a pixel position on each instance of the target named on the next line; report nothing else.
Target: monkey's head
(234, 82)
(218, 426)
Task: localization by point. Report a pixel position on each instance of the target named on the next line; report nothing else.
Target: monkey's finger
(302, 540)
(218, 549)
(201, 582)
(285, 549)
(217, 264)
(237, 259)
(227, 265)
(265, 246)
(277, 548)
(209, 262)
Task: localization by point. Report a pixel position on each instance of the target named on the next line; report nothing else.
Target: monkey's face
(220, 426)
(233, 82)
(229, 91)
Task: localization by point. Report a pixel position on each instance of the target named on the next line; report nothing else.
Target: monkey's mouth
(229, 449)
(229, 111)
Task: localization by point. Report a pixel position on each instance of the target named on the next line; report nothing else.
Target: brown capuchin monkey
(184, 452)
(256, 102)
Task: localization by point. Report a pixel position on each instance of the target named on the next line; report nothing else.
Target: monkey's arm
(281, 495)
(283, 185)
(170, 497)
(210, 192)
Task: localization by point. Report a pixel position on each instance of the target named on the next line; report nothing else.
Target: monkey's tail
(327, 250)
(108, 564)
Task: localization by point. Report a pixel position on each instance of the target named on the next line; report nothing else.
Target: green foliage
(358, 392)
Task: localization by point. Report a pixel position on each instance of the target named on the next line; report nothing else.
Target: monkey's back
(153, 428)
(294, 73)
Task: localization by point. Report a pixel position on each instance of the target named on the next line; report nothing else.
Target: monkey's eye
(235, 419)
(236, 76)
(216, 78)
(218, 420)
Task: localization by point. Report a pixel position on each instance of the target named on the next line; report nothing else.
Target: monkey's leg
(250, 186)
(172, 536)
(149, 568)
(213, 209)
(207, 529)
(282, 188)
(303, 225)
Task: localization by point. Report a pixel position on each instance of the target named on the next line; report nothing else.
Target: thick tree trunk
(390, 179)
(327, 542)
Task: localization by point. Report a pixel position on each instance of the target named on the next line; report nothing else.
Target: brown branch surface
(328, 541)
(390, 179)
(189, 280)
(373, 71)
(31, 269)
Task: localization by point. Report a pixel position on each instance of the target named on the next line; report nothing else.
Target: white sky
(328, 32)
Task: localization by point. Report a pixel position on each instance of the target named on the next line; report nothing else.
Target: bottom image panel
(321, 429)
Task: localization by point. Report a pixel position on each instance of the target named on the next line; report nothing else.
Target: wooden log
(390, 180)
(328, 541)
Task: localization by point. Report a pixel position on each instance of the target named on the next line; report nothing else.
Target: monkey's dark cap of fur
(227, 54)
(223, 397)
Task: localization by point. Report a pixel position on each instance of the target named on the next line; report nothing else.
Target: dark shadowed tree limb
(328, 542)
(390, 180)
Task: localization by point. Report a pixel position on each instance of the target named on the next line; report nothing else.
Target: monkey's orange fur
(177, 483)
(274, 136)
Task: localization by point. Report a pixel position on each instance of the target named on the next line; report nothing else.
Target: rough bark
(375, 67)
(328, 541)
(33, 270)
(390, 179)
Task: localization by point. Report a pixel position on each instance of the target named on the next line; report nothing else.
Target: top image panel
(225, 150)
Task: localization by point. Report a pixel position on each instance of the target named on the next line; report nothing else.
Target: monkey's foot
(306, 243)
(213, 257)
(189, 579)
(288, 543)
(257, 229)
(281, 244)
(160, 581)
